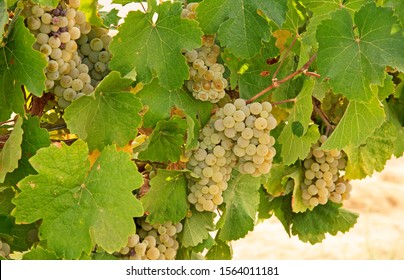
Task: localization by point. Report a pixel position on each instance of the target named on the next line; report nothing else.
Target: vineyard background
(379, 233)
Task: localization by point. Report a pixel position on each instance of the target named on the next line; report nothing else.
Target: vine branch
(322, 115)
(276, 83)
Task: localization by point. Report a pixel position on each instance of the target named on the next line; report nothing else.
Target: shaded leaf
(196, 228)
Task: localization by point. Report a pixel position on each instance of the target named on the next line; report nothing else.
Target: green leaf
(360, 120)
(148, 49)
(296, 147)
(110, 18)
(275, 183)
(6, 195)
(33, 139)
(246, 73)
(164, 144)
(281, 207)
(3, 18)
(124, 2)
(20, 65)
(39, 253)
(353, 61)
(398, 6)
(17, 236)
(80, 205)
(263, 208)
(196, 228)
(322, 10)
(220, 251)
(90, 9)
(240, 24)
(311, 226)
(393, 118)
(373, 154)
(161, 101)
(241, 200)
(110, 116)
(167, 198)
(11, 152)
(52, 3)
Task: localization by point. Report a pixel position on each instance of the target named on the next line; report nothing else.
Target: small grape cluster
(189, 10)
(94, 52)
(323, 180)
(152, 242)
(237, 136)
(334, 106)
(4, 249)
(56, 31)
(206, 75)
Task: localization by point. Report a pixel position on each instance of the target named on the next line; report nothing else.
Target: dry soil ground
(378, 234)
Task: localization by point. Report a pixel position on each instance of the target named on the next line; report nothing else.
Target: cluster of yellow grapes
(323, 180)
(152, 242)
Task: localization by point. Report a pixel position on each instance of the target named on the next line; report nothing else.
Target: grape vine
(172, 131)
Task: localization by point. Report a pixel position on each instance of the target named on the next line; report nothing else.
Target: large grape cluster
(152, 242)
(4, 249)
(56, 31)
(94, 52)
(323, 180)
(237, 136)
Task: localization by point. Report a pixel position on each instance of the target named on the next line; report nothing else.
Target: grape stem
(284, 57)
(323, 116)
(284, 101)
(276, 83)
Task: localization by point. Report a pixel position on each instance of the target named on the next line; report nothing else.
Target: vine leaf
(296, 147)
(220, 251)
(196, 228)
(3, 18)
(355, 61)
(275, 181)
(161, 101)
(241, 25)
(322, 10)
(11, 153)
(17, 236)
(89, 8)
(145, 48)
(52, 3)
(311, 226)
(360, 120)
(167, 198)
(33, 139)
(80, 206)
(20, 65)
(373, 154)
(164, 144)
(242, 201)
(281, 207)
(6, 195)
(110, 116)
(110, 18)
(40, 253)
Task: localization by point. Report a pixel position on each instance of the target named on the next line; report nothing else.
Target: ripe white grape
(323, 180)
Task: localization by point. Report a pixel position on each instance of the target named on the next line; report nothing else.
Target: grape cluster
(206, 75)
(152, 242)
(249, 126)
(237, 136)
(323, 180)
(212, 164)
(4, 249)
(94, 52)
(334, 106)
(56, 31)
(189, 10)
